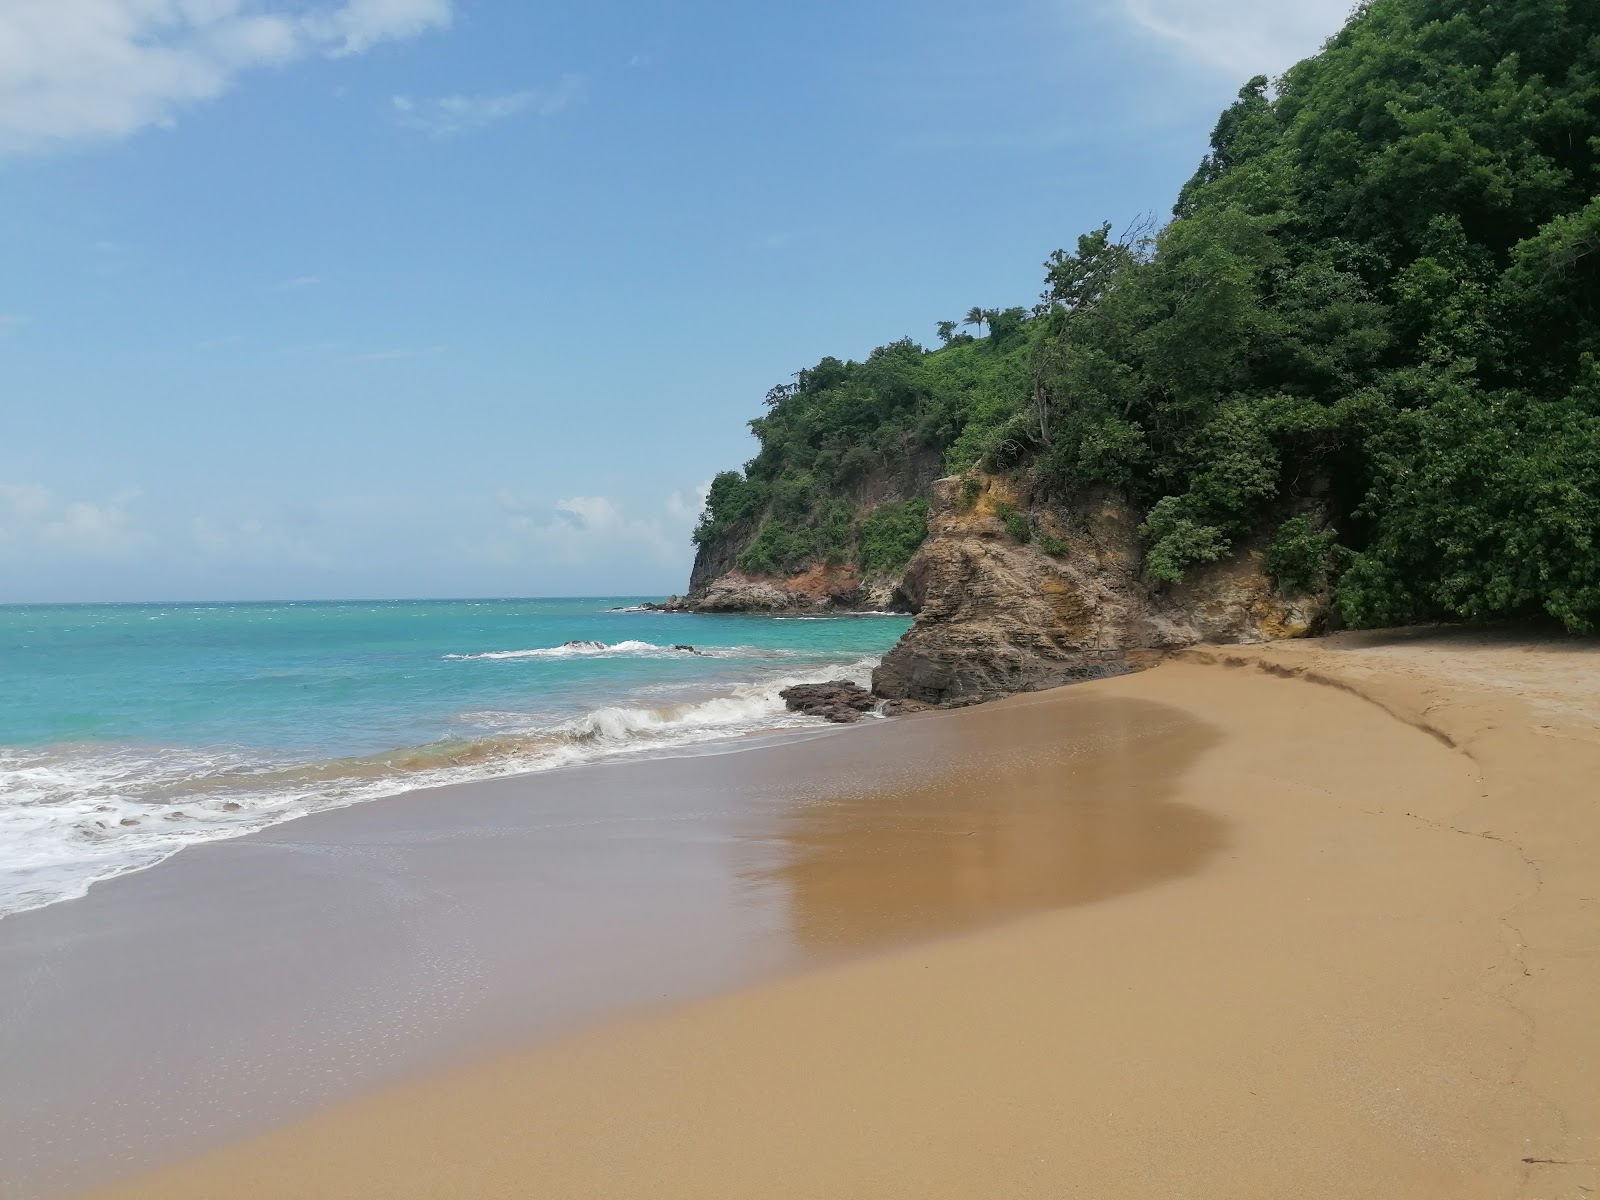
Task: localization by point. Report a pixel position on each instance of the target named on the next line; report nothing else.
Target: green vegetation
(884, 426)
(1016, 523)
(1377, 299)
(1301, 554)
(890, 535)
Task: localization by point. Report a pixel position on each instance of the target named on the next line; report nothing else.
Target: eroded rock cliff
(819, 589)
(1017, 596)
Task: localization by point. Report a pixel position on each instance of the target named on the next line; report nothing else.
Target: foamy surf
(75, 815)
(629, 649)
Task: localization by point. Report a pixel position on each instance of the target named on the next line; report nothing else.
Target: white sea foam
(71, 816)
(624, 650)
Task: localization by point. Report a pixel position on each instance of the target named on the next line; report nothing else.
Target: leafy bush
(731, 499)
(1298, 556)
(890, 534)
(1016, 523)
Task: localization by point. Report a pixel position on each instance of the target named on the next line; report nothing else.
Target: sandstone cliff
(998, 613)
(819, 589)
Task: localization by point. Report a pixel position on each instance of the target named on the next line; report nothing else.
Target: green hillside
(1376, 300)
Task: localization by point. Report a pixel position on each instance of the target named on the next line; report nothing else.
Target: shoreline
(83, 813)
(248, 982)
(1369, 974)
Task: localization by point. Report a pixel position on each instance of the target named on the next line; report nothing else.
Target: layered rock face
(821, 589)
(998, 615)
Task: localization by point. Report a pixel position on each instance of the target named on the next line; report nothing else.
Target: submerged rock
(583, 645)
(839, 701)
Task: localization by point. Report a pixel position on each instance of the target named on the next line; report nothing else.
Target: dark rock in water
(583, 645)
(687, 649)
(840, 701)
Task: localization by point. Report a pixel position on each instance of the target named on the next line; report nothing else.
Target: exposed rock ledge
(997, 615)
(821, 589)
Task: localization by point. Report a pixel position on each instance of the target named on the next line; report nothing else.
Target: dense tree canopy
(1375, 302)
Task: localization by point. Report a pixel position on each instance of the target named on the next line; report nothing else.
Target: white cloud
(1242, 37)
(72, 70)
(447, 116)
(257, 542)
(589, 529)
(35, 523)
(685, 507)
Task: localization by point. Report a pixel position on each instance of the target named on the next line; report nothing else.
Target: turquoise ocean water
(128, 732)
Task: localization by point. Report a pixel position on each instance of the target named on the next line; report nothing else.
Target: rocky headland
(1013, 593)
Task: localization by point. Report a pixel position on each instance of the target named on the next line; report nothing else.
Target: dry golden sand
(1383, 982)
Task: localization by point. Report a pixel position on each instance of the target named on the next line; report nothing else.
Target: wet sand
(244, 984)
(1332, 933)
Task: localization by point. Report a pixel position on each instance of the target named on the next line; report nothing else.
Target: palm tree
(976, 316)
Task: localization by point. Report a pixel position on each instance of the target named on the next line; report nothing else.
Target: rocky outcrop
(717, 584)
(999, 614)
(821, 589)
(839, 701)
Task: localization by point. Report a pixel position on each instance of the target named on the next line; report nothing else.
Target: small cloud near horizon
(450, 116)
(577, 529)
(35, 522)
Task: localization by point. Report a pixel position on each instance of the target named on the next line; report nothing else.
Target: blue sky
(323, 298)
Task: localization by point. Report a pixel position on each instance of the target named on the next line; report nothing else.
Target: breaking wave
(625, 650)
(78, 814)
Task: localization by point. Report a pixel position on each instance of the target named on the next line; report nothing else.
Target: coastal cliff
(1348, 380)
(1014, 593)
(1014, 597)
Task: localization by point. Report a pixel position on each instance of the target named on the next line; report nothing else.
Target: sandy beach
(1310, 919)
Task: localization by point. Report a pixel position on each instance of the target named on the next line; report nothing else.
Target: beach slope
(1380, 983)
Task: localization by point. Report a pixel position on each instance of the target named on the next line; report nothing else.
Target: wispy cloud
(448, 116)
(74, 70)
(392, 355)
(9, 322)
(297, 283)
(1241, 37)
